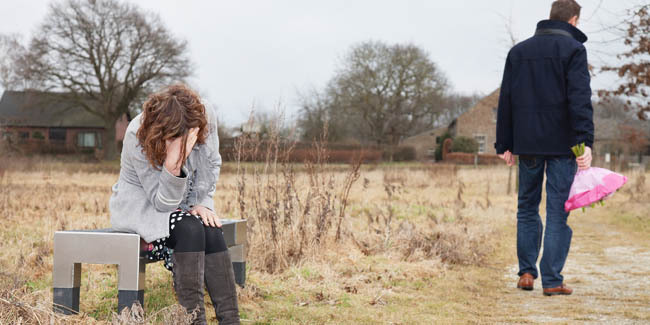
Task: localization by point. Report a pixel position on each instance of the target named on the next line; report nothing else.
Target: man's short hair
(564, 10)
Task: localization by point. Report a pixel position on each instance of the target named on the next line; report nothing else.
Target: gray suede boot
(220, 282)
(188, 269)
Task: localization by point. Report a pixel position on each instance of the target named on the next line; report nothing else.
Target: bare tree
(104, 55)
(315, 109)
(508, 24)
(635, 139)
(267, 124)
(395, 90)
(612, 109)
(10, 52)
(223, 131)
(635, 68)
(317, 112)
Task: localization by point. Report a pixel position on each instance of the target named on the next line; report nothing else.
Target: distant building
(479, 123)
(40, 121)
(425, 143)
(615, 139)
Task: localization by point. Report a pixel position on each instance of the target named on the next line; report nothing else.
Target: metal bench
(107, 246)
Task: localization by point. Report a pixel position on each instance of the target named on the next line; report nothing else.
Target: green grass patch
(39, 284)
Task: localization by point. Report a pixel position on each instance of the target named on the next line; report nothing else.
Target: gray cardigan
(144, 197)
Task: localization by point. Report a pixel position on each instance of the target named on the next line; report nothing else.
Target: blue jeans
(557, 238)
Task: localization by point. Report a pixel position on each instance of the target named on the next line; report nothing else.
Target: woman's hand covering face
(173, 159)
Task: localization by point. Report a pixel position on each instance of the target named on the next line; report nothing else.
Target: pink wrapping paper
(592, 185)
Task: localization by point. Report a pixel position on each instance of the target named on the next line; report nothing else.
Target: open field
(418, 244)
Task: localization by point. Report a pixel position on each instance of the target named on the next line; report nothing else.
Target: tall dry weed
(290, 216)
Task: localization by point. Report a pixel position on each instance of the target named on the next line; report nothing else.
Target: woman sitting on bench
(169, 167)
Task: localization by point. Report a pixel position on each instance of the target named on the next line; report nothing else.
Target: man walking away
(544, 110)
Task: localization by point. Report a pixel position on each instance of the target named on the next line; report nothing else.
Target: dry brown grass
(417, 243)
(294, 216)
(416, 220)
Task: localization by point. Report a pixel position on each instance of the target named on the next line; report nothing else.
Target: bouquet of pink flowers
(591, 185)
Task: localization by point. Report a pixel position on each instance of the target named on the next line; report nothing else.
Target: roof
(426, 134)
(611, 129)
(42, 109)
(490, 101)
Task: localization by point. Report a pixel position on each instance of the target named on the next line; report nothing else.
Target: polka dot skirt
(160, 250)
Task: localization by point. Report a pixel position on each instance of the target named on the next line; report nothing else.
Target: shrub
(38, 135)
(442, 139)
(464, 144)
(298, 152)
(404, 153)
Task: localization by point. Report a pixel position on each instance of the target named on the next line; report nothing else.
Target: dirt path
(609, 270)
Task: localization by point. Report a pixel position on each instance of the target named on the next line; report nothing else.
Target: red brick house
(479, 123)
(425, 143)
(42, 122)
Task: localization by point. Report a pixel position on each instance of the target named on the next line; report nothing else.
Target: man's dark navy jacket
(545, 101)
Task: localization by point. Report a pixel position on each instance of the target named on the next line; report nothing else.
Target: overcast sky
(261, 53)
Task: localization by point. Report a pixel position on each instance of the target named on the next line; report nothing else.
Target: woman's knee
(214, 241)
(187, 234)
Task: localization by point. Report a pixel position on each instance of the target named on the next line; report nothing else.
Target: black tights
(190, 235)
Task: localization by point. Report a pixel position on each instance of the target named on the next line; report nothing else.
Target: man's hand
(208, 216)
(584, 161)
(173, 159)
(508, 157)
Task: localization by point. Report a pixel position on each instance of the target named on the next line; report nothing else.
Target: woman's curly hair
(169, 114)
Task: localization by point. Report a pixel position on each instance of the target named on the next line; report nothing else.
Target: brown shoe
(559, 290)
(526, 282)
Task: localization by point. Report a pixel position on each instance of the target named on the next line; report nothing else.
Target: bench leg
(238, 264)
(131, 279)
(126, 299)
(66, 299)
(240, 273)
